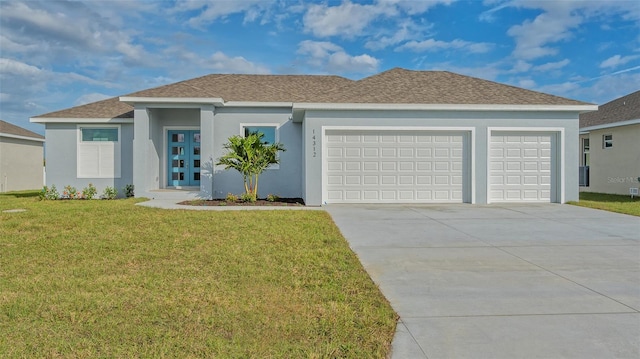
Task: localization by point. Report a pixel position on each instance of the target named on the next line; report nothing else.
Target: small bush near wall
(49, 193)
(89, 192)
(110, 193)
(128, 191)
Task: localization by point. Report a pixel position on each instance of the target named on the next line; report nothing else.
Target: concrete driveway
(502, 281)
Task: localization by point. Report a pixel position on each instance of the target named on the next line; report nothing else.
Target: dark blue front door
(184, 158)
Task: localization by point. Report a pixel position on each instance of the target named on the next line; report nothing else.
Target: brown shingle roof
(624, 108)
(109, 108)
(255, 88)
(393, 86)
(11, 129)
(438, 87)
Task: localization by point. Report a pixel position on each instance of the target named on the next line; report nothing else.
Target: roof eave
(443, 107)
(79, 120)
(9, 135)
(609, 125)
(131, 100)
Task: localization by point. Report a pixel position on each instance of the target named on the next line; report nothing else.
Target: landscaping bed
(279, 202)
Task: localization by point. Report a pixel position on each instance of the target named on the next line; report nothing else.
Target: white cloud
(557, 22)
(526, 83)
(550, 66)
(414, 7)
(332, 58)
(9, 67)
(406, 30)
(520, 66)
(600, 90)
(347, 19)
(90, 97)
(617, 60)
(437, 45)
(238, 64)
(42, 31)
(213, 10)
(350, 19)
(532, 37)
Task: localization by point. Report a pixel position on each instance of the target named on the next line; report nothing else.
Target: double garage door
(394, 166)
(367, 166)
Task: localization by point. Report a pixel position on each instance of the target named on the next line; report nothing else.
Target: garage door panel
(520, 168)
(371, 153)
(395, 166)
(352, 152)
(352, 166)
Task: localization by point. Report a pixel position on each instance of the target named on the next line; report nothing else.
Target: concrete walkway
(503, 281)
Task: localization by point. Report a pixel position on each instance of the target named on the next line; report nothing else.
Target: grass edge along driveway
(111, 279)
(609, 202)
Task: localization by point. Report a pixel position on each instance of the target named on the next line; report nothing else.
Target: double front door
(184, 158)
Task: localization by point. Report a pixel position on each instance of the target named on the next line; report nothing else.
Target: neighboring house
(610, 146)
(21, 158)
(399, 136)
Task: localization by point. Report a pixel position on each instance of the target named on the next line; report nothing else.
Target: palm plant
(250, 156)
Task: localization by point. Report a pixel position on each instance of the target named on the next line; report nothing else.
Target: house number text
(313, 142)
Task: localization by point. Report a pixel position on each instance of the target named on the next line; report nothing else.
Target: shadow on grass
(605, 197)
(21, 194)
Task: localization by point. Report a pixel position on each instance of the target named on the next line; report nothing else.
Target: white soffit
(79, 119)
(444, 107)
(585, 130)
(165, 100)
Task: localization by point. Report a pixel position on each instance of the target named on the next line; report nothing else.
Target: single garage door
(520, 167)
(393, 166)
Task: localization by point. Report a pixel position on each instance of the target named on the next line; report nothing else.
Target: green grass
(610, 202)
(89, 279)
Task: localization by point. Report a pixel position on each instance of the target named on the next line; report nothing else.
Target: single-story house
(610, 146)
(399, 136)
(21, 158)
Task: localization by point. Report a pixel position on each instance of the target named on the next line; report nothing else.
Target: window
(98, 152)
(99, 134)
(585, 152)
(607, 141)
(268, 131)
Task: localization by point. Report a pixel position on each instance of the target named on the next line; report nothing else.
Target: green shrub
(272, 197)
(89, 192)
(128, 191)
(50, 194)
(70, 192)
(231, 197)
(110, 193)
(248, 197)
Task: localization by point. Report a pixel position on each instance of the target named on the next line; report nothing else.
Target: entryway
(183, 158)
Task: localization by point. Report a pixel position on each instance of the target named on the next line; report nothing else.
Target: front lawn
(610, 202)
(110, 279)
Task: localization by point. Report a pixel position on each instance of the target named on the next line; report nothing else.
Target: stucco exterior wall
(216, 125)
(478, 121)
(61, 159)
(284, 180)
(615, 169)
(21, 166)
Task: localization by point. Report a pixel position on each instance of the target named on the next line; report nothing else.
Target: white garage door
(520, 167)
(393, 166)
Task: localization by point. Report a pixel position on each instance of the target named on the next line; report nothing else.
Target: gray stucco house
(610, 146)
(399, 136)
(21, 157)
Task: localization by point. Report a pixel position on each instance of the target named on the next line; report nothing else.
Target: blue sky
(60, 54)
